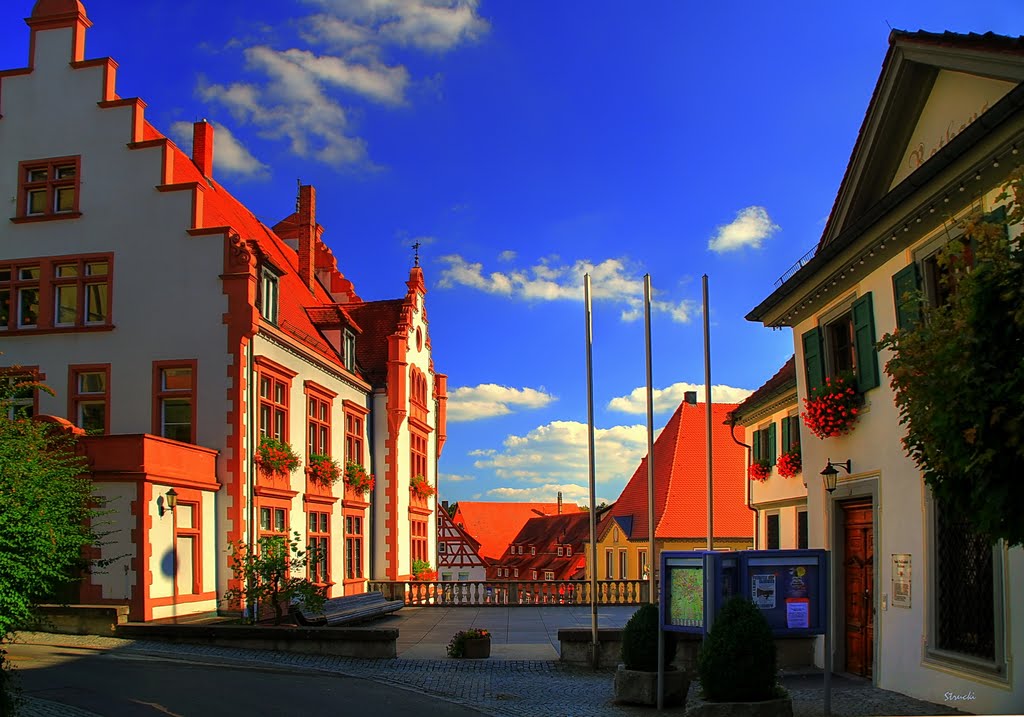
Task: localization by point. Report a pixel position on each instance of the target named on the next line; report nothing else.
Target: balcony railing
(512, 592)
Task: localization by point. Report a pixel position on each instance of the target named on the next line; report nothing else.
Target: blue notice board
(790, 587)
(694, 586)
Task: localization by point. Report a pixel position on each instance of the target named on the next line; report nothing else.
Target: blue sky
(523, 143)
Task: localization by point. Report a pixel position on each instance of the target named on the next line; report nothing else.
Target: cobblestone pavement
(526, 688)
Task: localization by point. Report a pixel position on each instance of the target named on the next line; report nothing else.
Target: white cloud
(667, 399)
(426, 24)
(611, 280)
(304, 97)
(229, 154)
(507, 255)
(557, 453)
(468, 403)
(572, 494)
(750, 227)
(453, 478)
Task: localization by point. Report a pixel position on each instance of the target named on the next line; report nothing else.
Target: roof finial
(416, 253)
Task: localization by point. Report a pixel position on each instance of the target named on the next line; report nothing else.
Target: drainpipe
(250, 410)
(371, 520)
(757, 521)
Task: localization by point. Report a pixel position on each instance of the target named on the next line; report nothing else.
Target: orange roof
(545, 535)
(680, 481)
(495, 524)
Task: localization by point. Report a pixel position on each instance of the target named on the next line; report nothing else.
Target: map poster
(686, 596)
(763, 591)
(901, 580)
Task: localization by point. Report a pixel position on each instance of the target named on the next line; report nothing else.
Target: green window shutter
(814, 363)
(757, 445)
(772, 448)
(784, 448)
(864, 343)
(794, 432)
(905, 284)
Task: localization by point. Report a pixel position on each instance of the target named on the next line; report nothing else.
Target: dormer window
(350, 351)
(560, 551)
(568, 551)
(268, 301)
(533, 550)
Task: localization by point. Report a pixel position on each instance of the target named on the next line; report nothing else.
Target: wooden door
(859, 571)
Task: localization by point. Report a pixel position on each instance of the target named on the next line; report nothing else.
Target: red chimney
(202, 147)
(307, 235)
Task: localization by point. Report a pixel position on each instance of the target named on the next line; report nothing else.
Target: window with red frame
(318, 425)
(418, 453)
(189, 554)
(23, 396)
(89, 398)
(418, 394)
(174, 414)
(418, 532)
(353, 547)
(319, 543)
(273, 521)
(57, 293)
(354, 437)
(273, 405)
(48, 187)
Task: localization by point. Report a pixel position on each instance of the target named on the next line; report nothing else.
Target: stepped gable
(680, 481)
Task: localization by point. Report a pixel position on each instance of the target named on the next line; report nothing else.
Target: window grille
(965, 618)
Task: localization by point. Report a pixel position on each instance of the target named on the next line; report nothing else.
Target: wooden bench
(348, 609)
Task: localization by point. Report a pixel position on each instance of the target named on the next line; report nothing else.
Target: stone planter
(780, 707)
(476, 648)
(635, 687)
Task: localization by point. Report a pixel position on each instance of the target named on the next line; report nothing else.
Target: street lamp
(830, 473)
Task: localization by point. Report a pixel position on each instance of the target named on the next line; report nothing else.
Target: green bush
(640, 641)
(737, 660)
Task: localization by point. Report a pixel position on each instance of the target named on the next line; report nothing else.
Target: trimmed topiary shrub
(737, 660)
(640, 641)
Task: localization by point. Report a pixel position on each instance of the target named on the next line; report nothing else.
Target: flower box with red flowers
(357, 478)
(760, 470)
(420, 487)
(832, 408)
(324, 470)
(274, 456)
(789, 464)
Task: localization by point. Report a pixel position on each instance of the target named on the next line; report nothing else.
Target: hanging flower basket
(831, 410)
(789, 464)
(420, 487)
(274, 456)
(357, 478)
(324, 470)
(760, 470)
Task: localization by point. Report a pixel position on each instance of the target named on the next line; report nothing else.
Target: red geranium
(420, 487)
(789, 464)
(274, 456)
(760, 470)
(323, 470)
(831, 409)
(357, 477)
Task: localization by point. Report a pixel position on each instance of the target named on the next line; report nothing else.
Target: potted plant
(760, 469)
(274, 456)
(636, 679)
(357, 478)
(474, 643)
(789, 464)
(420, 487)
(324, 470)
(832, 408)
(736, 666)
(422, 571)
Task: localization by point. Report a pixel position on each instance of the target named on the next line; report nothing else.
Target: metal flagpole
(594, 646)
(707, 406)
(650, 486)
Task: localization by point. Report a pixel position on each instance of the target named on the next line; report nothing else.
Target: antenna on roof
(298, 193)
(416, 253)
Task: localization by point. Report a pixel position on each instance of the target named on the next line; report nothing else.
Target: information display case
(790, 587)
(694, 586)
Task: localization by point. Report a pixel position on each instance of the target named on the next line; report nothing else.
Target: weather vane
(416, 253)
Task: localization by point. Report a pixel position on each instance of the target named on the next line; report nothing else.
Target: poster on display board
(789, 587)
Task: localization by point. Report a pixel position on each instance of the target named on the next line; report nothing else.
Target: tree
(267, 574)
(958, 376)
(46, 507)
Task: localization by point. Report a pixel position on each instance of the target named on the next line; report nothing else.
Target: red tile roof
(680, 481)
(545, 535)
(495, 524)
(379, 320)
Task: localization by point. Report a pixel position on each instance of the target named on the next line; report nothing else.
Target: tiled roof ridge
(991, 40)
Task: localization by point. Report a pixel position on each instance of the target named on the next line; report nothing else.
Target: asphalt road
(122, 685)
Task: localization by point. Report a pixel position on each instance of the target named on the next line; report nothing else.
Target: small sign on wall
(901, 580)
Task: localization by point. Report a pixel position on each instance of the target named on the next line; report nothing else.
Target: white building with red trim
(173, 323)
